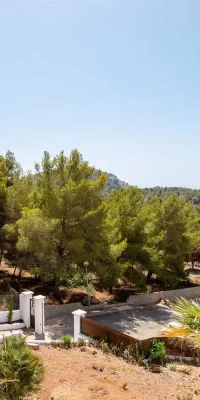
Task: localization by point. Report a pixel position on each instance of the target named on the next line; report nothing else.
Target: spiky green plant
(188, 318)
(20, 370)
(10, 313)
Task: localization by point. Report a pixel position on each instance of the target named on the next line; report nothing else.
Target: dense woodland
(193, 195)
(54, 220)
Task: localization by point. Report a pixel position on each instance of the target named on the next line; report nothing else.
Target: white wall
(150, 298)
(4, 316)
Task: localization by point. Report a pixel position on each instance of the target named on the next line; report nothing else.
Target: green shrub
(117, 350)
(20, 370)
(67, 341)
(157, 352)
(10, 314)
(133, 353)
(104, 346)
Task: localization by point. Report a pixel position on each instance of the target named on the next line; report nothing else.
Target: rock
(93, 301)
(97, 368)
(33, 346)
(83, 349)
(155, 368)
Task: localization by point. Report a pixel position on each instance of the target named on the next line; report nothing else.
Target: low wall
(4, 316)
(137, 300)
(12, 327)
(156, 297)
(62, 309)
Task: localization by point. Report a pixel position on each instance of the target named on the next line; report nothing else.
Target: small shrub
(128, 355)
(172, 367)
(91, 342)
(133, 353)
(10, 314)
(157, 352)
(117, 350)
(67, 341)
(187, 397)
(104, 346)
(81, 342)
(139, 352)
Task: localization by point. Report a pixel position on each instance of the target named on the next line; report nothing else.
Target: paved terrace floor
(141, 323)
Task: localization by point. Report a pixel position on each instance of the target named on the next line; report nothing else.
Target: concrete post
(26, 307)
(39, 317)
(77, 322)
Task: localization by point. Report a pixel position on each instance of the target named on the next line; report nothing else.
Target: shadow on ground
(142, 323)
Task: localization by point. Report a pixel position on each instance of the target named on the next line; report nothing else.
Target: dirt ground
(78, 375)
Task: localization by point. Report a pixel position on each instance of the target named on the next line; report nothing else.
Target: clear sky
(119, 80)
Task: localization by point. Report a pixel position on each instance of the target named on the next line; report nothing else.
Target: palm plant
(20, 370)
(188, 326)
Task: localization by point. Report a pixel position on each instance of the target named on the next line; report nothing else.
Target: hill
(113, 183)
(192, 195)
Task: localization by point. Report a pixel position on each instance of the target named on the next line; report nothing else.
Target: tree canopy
(57, 218)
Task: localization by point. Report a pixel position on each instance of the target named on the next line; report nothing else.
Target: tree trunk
(20, 274)
(193, 264)
(56, 282)
(13, 275)
(157, 279)
(149, 275)
(1, 256)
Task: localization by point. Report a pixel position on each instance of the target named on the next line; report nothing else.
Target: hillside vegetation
(192, 195)
(55, 220)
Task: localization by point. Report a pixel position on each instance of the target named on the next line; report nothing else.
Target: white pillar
(77, 322)
(26, 306)
(39, 317)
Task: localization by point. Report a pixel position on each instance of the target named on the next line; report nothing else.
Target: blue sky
(119, 80)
